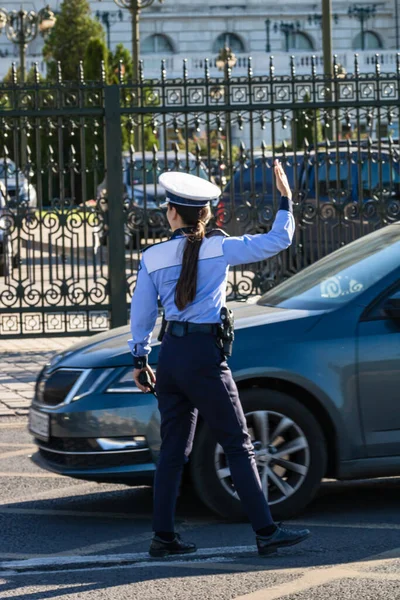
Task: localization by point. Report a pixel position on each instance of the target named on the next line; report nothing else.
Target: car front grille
(98, 460)
(70, 444)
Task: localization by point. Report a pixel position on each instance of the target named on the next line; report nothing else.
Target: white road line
(23, 425)
(110, 559)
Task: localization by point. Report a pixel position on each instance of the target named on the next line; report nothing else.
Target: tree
(120, 55)
(70, 37)
(96, 52)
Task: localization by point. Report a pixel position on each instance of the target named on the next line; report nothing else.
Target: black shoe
(280, 539)
(160, 549)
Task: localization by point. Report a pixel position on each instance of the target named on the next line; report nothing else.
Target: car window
(340, 276)
(376, 311)
(140, 174)
(258, 178)
(333, 177)
(371, 176)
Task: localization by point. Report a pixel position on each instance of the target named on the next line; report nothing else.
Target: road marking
(23, 425)
(25, 451)
(324, 575)
(112, 559)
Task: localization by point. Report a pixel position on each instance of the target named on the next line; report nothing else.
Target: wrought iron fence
(79, 165)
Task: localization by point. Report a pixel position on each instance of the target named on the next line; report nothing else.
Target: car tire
(204, 465)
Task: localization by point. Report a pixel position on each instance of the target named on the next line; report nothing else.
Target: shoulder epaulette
(154, 245)
(216, 232)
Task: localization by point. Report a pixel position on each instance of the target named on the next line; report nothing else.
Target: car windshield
(140, 174)
(340, 276)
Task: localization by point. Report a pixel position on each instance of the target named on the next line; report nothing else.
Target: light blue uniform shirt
(160, 268)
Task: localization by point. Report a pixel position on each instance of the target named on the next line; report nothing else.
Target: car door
(379, 376)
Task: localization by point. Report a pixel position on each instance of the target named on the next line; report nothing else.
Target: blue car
(317, 363)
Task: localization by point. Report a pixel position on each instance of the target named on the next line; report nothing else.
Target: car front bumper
(89, 439)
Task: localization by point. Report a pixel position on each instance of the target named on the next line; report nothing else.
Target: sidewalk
(20, 362)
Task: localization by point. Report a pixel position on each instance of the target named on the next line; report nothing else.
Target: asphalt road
(75, 540)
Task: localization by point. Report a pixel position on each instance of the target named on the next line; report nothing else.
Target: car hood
(110, 349)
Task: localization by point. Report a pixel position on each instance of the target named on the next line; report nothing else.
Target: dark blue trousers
(192, 377)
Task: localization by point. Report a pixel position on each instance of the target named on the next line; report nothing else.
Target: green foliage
(121, 54)
(70, 37)
(96, 52)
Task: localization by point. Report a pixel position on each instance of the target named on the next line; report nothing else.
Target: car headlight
(123, 383)
(62, 386)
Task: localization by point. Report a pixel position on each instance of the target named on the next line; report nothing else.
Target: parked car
(250, 191)
(318, 367)
(18, 188)
(9, 256)
(327, 187)
(142, 195)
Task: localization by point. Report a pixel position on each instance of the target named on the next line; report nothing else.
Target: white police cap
(187, 190)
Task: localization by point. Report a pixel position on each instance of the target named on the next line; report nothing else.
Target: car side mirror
(392, 307)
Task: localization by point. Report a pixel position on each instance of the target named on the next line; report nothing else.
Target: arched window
(157, 44)
(372, 41)
(300, 41)
(231, 40)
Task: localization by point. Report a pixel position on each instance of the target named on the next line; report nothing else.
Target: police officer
(189, 275)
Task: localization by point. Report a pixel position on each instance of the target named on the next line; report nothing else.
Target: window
(340, 276)
(231, 40)
(157, 44)
(372, 41)
(300, 41)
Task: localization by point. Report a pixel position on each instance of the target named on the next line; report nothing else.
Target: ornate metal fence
(79, 164)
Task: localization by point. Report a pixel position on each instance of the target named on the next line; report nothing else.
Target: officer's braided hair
(197, 218)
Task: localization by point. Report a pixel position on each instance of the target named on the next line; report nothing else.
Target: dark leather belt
(181, 328)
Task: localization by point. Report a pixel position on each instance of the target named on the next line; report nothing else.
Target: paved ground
(20, 362)
(75, 540)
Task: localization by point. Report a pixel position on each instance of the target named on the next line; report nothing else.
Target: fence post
(116, 218)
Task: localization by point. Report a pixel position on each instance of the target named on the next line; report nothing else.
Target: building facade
(198, 29)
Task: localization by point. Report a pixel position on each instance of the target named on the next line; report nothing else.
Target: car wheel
(290, 451)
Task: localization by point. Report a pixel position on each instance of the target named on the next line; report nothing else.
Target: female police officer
(189, 274)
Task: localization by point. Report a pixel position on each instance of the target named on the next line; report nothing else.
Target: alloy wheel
(281, 451)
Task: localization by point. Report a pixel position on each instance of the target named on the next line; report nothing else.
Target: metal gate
(79, 163)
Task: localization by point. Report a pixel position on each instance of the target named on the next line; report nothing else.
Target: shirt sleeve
(253, 248)
(144, 312)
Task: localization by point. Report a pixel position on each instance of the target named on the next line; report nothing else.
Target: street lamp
(109, 18)
(315, 19)
(134, 7)
(288, 29)
(22, 27)
(362, 14)
(268, 29)
(225, 62)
